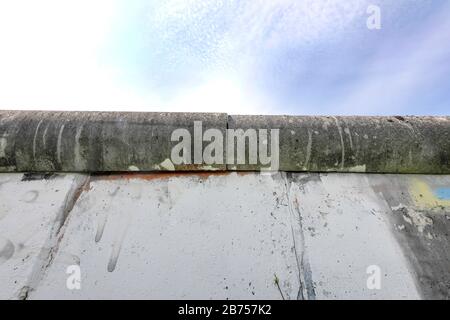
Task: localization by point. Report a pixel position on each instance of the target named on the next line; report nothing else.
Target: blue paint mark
(442, 193)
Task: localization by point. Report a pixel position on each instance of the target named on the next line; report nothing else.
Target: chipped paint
(425, 197)
(360, 168)
(413, 217)
(442, 193)
(210, 168)
(168, 165)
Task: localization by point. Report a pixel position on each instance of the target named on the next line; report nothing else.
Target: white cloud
(390, 81)
(219, 95)
(50, 55)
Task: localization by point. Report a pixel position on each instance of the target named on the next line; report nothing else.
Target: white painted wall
(204, 237)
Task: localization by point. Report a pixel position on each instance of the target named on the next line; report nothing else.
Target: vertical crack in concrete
(306, 287)
(51, 246)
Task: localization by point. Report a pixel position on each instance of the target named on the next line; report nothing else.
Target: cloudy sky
(255, 57)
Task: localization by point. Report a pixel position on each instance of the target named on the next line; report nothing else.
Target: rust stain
(203, 175)
(198, 167)
(86, 186)
(158, 175)
(244, 173)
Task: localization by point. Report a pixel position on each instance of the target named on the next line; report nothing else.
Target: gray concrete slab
(122, 141)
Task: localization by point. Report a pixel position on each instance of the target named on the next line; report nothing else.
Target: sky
(300, 57)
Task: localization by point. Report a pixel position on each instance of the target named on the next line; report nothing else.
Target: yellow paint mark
(423, 196)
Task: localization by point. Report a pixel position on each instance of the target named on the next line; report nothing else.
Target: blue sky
(255, 57)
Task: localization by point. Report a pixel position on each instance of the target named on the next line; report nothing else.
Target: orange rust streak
(159, 175)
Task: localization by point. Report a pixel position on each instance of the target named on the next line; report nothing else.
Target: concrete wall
(225, 235)
(102, 142)
(233, 233)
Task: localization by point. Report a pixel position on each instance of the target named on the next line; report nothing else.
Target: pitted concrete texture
(356, 144)
(119, 142)
(226, 235)
(39, 141)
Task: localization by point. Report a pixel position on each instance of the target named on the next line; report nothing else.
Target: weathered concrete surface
(356, 144)
(96, 141)
(178, 237)
(107, 141)
(32, 211)
(345, 229)
(420, 219)
(238, 235)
